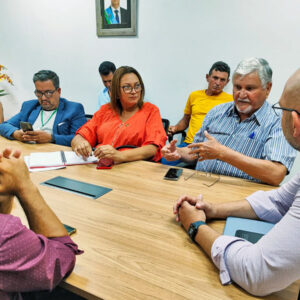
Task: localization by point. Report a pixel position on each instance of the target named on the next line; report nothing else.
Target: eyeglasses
(208, 176)
(277, 106)
(128, 89)
(47, 94)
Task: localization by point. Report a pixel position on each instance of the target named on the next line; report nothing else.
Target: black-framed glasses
(128, 89)
(47, 94)
(277, 107)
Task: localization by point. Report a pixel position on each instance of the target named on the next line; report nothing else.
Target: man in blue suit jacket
(54, 119)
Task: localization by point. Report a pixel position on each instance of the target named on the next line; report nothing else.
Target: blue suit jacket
(69, 117)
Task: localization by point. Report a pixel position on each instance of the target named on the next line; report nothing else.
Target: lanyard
(48, 119)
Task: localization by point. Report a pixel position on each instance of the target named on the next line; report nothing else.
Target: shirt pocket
(63, 128)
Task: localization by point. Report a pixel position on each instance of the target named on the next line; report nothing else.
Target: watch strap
(193, 229)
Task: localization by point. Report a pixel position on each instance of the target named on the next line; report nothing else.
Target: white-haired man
(273, 262)
(241, 138)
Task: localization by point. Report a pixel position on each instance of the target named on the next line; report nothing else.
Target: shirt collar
(259, 115)
(113, 9)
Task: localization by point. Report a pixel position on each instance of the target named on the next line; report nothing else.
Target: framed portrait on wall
(116, 17)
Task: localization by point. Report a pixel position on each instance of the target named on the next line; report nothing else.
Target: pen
(251, 136)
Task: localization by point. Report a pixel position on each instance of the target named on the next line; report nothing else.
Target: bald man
(273, 262)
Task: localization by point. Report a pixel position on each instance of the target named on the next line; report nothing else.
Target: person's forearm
(185, 156)
(264, 170)
(145, 152)
(41, 218)
(240, 209)
(205, 238)
(182, 124)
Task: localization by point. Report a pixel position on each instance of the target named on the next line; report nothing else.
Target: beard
(246, 110)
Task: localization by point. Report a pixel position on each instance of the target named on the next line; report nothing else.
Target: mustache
(243, 100)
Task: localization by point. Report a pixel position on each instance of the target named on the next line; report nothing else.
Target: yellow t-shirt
(198, 105)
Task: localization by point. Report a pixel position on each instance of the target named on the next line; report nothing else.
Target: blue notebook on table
(248, 229)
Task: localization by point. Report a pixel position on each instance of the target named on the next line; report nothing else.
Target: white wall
(177, 42)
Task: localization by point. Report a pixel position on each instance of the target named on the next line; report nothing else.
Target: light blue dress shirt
(259, 136)
(103, 97)
(273, 263)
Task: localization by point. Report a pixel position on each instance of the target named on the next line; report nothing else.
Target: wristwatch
(193, 229)
(52, 139)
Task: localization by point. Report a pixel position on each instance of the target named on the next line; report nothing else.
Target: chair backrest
(88, 116)
(182, 138)
(126, 147)
(166, 124)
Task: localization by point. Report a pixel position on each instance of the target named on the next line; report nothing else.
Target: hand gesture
(170, 152)
(210, 149)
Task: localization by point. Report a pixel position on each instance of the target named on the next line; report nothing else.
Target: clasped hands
(210, 149)
(14, 175)
(191, 209)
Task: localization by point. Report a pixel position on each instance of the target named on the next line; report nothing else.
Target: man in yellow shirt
(201, 102)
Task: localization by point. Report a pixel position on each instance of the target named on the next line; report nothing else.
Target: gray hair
(45, 75)
(258, 65)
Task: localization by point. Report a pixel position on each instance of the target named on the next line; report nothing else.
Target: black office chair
(126, 147)
(180, 139)
(166, 124)
(88, 116)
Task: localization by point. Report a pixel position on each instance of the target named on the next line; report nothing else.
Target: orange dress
(143, 128)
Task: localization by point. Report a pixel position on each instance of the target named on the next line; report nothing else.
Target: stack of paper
(55, 160)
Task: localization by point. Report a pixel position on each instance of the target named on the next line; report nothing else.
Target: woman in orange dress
(126, 120)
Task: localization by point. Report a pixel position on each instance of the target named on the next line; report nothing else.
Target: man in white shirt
(273, 262)
(54, 119)
(106, 71)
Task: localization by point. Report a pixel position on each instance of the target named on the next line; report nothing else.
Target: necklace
(42, 119)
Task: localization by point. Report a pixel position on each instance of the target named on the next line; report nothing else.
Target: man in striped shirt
(272, 263)
(241, 138)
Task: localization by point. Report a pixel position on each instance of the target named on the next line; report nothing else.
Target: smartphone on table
(26, 126)
(70, 229)
(173, 174)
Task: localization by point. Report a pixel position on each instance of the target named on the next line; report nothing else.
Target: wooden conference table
(133, 247)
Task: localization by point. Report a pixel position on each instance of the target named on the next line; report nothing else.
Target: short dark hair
(45, 75)
(221, 67)
(106, 67)
(116, 89)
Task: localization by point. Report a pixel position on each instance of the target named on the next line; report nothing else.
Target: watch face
(191, 231)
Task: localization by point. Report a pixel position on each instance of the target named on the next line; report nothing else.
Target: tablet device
(248, 229)
(78, 187)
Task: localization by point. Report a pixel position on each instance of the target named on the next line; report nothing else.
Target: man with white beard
(241, 138)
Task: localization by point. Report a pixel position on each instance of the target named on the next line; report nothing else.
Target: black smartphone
(173, 174)
(70, 229)
(26, 126)
(250, 236)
